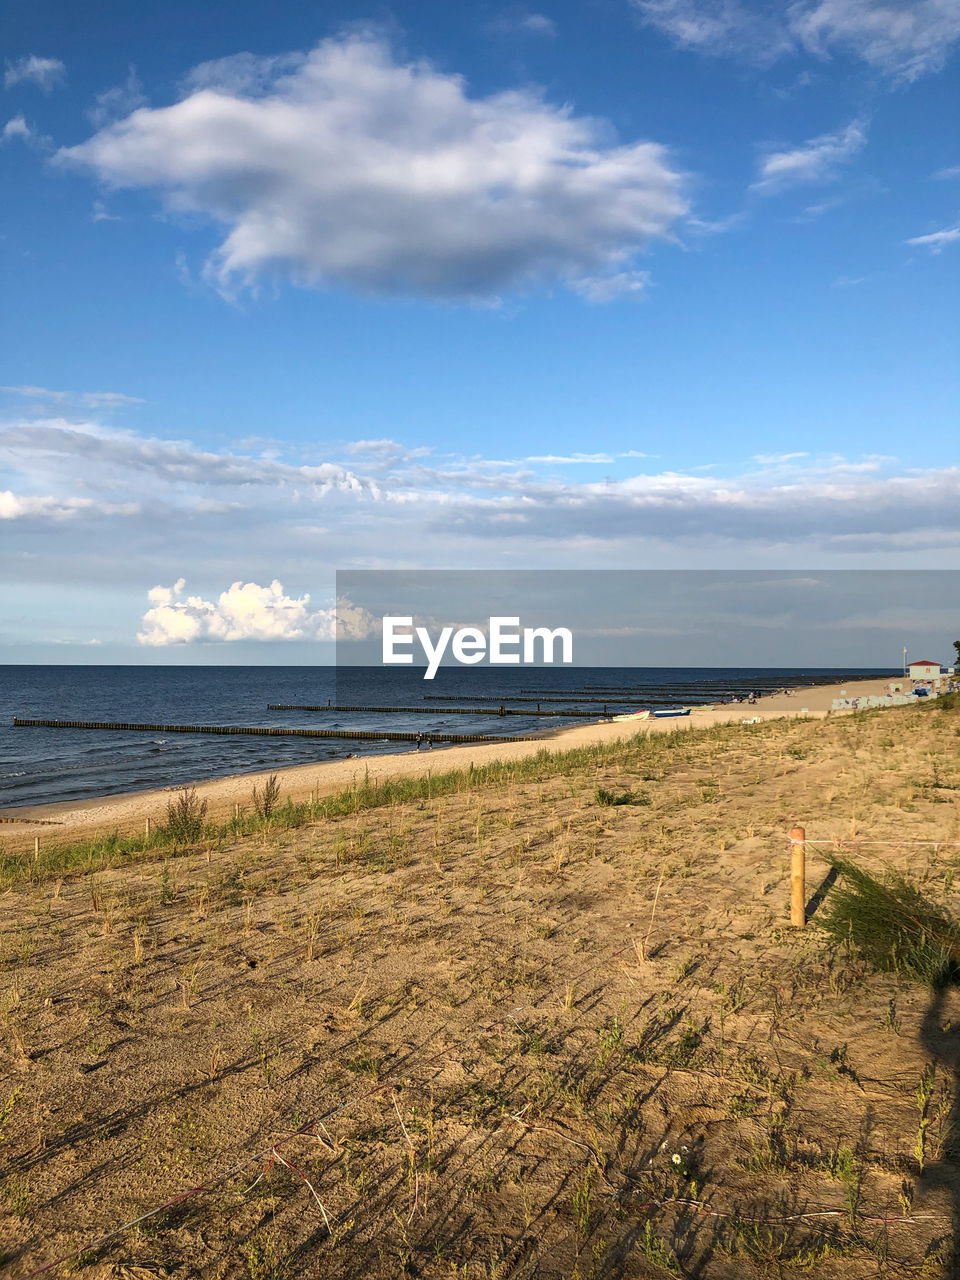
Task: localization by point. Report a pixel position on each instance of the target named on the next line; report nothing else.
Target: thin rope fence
(850, 840)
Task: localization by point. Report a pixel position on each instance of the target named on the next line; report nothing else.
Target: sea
(44, 765)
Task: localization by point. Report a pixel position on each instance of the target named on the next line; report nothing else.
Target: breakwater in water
(230, 730)
(437, 711)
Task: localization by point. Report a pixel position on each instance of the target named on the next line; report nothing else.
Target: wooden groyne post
(227, 730)
(500, 710)
(798, 887)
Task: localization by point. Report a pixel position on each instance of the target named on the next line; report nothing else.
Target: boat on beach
(640, 714)
(671, 713)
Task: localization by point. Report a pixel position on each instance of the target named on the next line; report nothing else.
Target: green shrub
(185, 817)
(265, 798)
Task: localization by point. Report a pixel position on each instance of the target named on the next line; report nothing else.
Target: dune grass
(891, 925)
(186, 828)
(171, 838)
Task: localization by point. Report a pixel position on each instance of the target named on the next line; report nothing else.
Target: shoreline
(66, 821)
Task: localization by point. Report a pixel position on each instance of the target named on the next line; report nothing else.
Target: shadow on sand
(941, 1041)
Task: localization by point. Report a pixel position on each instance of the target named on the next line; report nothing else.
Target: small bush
(265, 799)
(892, 925)
(185, 817)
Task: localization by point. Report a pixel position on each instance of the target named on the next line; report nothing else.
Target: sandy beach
(550, 998)
(128, 812)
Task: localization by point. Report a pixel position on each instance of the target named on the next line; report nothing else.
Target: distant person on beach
(419, 740)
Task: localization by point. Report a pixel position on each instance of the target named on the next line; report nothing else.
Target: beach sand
(126, 813)
(553, 1024)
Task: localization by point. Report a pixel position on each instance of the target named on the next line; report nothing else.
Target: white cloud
(538, 24)
(346, 167)
(119, 101)
(16, 127)
(90, 399)
(100, 213)
(45, 73)
(523, 22)
(818, 209)
(166, 595)
(15, 506)
(718, 27)
(233, 517)
(572, 457)
(815, 161)
(245, 612)
(242, 74)
(903, 38)
(617, 284)
(937, 241)
(948, 174)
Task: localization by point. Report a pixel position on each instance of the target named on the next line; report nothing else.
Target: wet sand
(85, 819)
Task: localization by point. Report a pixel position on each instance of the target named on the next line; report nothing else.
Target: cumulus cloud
(815, 161)
(937, 241)
(903, 38)
(245, 612)
(166, 595)
(347, 167)
(45, 73)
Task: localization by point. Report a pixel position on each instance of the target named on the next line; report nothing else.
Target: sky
(620, 284)
(840, 618)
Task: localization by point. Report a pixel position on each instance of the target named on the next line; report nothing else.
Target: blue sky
(633, 283)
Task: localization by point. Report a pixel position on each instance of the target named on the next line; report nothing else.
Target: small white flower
(675, 1158)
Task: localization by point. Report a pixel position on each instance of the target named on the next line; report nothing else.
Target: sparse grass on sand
(538, 1018)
